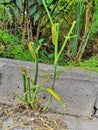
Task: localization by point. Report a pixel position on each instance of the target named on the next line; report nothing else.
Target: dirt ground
(20, 117)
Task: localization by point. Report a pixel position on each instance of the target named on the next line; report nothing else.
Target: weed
(30, 92)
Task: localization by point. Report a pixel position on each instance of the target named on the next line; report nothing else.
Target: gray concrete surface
(78, 88)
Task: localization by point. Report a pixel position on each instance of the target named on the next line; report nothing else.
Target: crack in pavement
(0, 77)
(95, 107)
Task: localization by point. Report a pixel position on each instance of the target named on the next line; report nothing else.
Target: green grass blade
(29, 90)
(24, 75)
(20, 98)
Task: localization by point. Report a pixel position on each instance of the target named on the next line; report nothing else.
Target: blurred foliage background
(22, 21)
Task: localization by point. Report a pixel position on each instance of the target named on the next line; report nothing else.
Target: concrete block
(76, 88)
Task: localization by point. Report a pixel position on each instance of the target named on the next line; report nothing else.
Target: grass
(90, 64)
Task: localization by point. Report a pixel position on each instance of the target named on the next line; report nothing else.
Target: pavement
(77, 87)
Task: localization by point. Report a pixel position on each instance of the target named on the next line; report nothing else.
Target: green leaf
(54, 94)
(36, 16)
(8, 13)
(20, 98)
(32, 10)
(39, 2)
(49, 1)
(6, 1)
(22, 1)
(40, 41)
(19, 4)
(62, 104)
(51, 56)
(16, 11)
(30, 2)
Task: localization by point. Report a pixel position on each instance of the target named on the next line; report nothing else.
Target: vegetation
(90, 65)
(29, 30)
(24, 21)
(30, 93)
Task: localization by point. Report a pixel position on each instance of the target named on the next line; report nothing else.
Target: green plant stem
(48, 102)
(53, 83)
(56, 62)
(66, 39)
(43, 1)
(36, 71)
(34, 84)
(56, 44)
(56, 54)
(24, 84)
(33, 98)
(54, 77)
(29, 91)
(55, 70)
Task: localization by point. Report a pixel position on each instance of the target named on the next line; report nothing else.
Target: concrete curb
(78, 88)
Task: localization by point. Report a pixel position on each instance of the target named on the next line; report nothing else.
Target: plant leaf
(40, 41)
(19, 4)
(8, 13)
(49, 1)
(20, 98)
(62, 103)
(32, 10)
(30, 2)
(54, 94)
(39, 1)
(36, 16)
(6, 1)
(16, 11)
(51, 56)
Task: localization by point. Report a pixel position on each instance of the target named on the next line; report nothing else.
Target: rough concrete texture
(77, 87)
(78, 123)
(75, 123)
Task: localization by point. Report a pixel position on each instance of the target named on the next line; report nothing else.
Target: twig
(18, 124)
